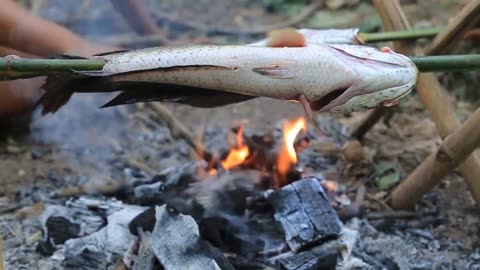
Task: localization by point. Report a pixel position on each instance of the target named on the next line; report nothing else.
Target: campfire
(249, 208)
(276, 158)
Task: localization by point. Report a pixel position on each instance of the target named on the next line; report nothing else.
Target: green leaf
(388, 180)
(383, 167)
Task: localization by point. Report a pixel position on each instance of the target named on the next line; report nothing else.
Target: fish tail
(58, 92)
(59, 89)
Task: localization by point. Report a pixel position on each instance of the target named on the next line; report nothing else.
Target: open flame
(236, 156)
(287, 156)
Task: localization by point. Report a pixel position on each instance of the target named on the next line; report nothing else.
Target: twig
(292, 21)
(142, 166)
(138, 16)
(176, 127)
(379, 201)
(1, 251)
(113, 187)
(465, 20)
(454, 150)
(392, 214)
(433, 95)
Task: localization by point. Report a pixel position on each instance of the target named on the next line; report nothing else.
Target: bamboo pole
(433, 96)
(454, 150)
(14, 67)
(442, 63)
(398, 35)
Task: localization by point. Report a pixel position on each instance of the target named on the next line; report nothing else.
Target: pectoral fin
(279, 70)
(192, 96)
(309, 116)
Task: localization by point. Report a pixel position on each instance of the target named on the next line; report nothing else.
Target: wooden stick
(138, 16)
(456, 29)
(1, 252)
(433, 95)
(454, 150)
(177, 129)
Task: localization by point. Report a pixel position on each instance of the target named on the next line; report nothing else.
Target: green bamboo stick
(26, 64)
(440, 63)
(16, 67)
(398, 35)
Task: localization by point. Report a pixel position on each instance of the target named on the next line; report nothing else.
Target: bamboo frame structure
(435, 99)
(454, 150)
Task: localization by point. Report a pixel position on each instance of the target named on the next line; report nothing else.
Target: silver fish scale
(312, 71)
(315, 69)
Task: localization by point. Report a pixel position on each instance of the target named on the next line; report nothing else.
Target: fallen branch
(138, 16)
(433, 95)
(454, 150)
(456, 29)
(177, 129)
(292, 21)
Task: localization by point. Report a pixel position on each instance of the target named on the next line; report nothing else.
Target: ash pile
(181, 222)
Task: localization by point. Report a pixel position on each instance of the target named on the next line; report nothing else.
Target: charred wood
(177, 244)
(305, 213)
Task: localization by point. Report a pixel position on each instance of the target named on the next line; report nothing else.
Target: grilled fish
(322, 77)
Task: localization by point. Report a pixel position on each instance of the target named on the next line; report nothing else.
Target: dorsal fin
(111, 52)
(286, 37)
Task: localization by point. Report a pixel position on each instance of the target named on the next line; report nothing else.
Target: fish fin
(111, 52)
(68, 57)
(100, 73)
(286, 37)
(192, 96)
(59, 90)
(277, 70)
(55, 94)
(309, 115)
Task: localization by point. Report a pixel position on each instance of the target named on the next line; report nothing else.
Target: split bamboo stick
(435, 99)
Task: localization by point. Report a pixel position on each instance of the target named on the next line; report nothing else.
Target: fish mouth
(318, 105)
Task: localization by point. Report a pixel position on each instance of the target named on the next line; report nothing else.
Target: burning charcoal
(177, 245)
(316, 258)
(305, 213)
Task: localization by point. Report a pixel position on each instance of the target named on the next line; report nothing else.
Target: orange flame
(288, 156)
(237, 155)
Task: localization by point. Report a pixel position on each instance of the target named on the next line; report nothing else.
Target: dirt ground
(82, 143)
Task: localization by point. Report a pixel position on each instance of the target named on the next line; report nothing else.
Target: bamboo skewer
(398, 35)
(14, 67)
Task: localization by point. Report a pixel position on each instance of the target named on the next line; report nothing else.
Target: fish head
(380, 77)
